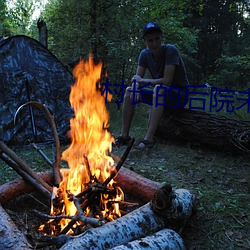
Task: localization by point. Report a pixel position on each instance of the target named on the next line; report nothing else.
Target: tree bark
(163, 239)
(43, 32)
(136, 185)
(167, 209)
(18, 187)
(212, 131)
(10, 237)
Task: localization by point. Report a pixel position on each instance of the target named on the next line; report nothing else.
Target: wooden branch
(26, 176)
(137, 185)
(43, 32)
(23, 165)
(120, 163)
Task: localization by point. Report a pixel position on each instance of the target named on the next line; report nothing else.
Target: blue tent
(30, 72)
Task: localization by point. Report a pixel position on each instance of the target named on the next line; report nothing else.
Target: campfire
(87, 198)
(87, 188)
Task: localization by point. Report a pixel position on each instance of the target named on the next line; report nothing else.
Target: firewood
(132, 183)
(120, 163)
(10, 237)
(161, 240)
(138, 223)
(18, 187)
(150, 218)
(136, 185)
(26, 176)
(23, 165)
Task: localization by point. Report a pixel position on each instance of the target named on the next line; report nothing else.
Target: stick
(23, 165)
(26, 176)
(120, 163)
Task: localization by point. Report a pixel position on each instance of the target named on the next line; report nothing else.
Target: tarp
(29, 71)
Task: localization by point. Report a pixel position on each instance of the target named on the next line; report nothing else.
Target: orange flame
(87, 156)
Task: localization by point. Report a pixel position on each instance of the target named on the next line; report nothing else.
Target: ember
(87, 188)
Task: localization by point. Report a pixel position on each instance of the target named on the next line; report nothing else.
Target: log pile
(164, 213)
(167, 209)
(209, 130)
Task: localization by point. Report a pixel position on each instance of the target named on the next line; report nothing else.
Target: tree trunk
(18, 187)
(209, 130)
(10, 237)
(131, 182)
(43, 32)
(136, 185)
(163, 239)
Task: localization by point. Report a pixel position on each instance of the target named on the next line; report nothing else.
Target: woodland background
(213, 36)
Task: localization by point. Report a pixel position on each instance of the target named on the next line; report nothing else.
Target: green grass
(220, 182)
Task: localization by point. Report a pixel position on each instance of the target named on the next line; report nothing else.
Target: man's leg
(127, 114)
(155, 117)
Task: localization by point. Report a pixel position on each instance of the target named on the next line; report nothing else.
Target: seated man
(168, 84)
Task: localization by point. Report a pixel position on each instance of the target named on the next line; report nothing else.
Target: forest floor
(219, 180)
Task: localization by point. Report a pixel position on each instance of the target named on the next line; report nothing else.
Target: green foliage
(212, 36)
(232, 71)
(4, 20)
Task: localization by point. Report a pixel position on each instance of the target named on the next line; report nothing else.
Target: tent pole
(33, 125)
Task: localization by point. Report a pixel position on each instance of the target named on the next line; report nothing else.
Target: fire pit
(86, 198)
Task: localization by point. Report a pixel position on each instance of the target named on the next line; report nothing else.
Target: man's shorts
(175, 98)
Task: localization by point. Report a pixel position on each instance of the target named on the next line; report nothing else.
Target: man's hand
(136, 78)
(135, 85)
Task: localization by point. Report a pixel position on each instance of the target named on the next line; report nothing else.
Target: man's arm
(166, 80)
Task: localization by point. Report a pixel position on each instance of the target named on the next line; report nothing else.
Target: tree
(4, 20)
(223, 30)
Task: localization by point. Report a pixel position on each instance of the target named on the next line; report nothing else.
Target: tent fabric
(30, 72)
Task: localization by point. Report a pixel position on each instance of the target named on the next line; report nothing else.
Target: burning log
(140, 187)
(10, 237)
(165, 210)
(163, 239)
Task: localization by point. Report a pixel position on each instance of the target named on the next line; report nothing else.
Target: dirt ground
(220, 182)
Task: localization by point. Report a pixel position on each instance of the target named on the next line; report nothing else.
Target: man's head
(152, 36)
(150, 28)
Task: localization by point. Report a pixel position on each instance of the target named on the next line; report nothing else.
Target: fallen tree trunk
(15, 188)
(10, 237)
(140, 187)
(131, 182)
(209, 130)
(150, 218)
(163, 239)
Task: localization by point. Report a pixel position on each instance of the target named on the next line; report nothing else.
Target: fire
(88, 155)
